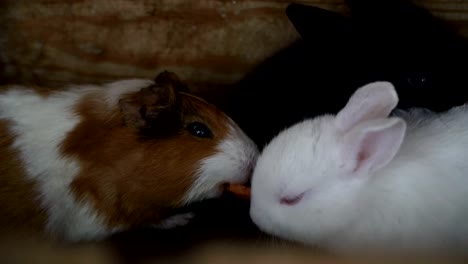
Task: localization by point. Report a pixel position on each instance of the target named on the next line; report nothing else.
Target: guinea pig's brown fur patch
(20, 211)
(132, 174)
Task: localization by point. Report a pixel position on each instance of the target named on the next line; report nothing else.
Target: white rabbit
(363, 182)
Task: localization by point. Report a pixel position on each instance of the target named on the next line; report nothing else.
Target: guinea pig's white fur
(363, 183)
(40, 124)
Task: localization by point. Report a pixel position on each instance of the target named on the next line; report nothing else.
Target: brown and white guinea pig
(88, 161)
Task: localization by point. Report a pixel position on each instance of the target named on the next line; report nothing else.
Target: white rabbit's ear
(372, 145)
(374, 100)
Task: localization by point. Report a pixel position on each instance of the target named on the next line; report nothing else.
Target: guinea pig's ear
(149, 105)
(374, 100)
(372, 144)
(167, 78)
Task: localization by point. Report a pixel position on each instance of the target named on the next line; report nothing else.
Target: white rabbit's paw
(175, 221)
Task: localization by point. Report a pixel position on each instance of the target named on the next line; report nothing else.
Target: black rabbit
(391, 40)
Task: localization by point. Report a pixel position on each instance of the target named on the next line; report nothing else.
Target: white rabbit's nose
(291, 200)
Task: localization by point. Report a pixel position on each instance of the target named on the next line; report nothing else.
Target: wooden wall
(208, 42)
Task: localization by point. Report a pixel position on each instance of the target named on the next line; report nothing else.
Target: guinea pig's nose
(290, 200)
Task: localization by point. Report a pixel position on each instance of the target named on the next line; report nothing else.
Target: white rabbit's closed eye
(364, 182)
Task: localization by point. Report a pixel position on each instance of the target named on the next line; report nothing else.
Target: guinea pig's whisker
(111, 117)
(276, 243)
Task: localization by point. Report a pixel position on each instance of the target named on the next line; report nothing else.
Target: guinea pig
(364, 182)
(90, 160)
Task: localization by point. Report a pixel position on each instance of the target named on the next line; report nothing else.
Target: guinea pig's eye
(199, 130)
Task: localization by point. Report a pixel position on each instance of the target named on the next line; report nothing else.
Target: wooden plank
(208, 42)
